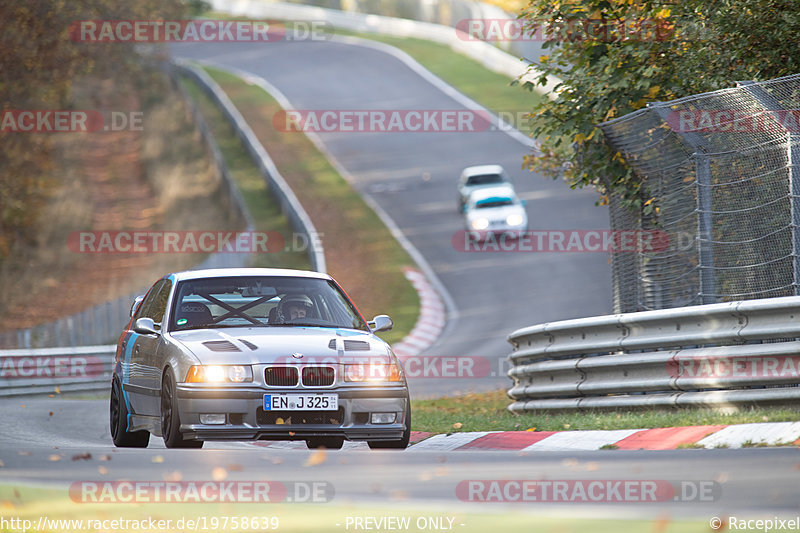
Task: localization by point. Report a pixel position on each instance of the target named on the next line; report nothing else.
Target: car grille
(268, 418)
(318, 376)
(281, 376)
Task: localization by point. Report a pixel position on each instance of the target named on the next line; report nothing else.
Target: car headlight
(372, 372)
(514, 220)
(220, 374)
(480, 223)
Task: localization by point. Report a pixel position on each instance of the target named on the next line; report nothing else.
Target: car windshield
(261, 301)
(485, 179)
(493, 202)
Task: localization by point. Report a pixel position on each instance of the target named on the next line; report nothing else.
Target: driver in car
(294, 306)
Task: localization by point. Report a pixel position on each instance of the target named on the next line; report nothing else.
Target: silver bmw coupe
(246, 354)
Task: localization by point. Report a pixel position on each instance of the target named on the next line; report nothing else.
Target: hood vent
(221, 346)
(356, 346)
(249, 344)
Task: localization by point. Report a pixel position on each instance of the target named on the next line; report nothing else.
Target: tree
(614, 56)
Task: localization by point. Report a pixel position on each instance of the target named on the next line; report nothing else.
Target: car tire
(170, 420)
(401, 444)
(118, 414)
(330, 443)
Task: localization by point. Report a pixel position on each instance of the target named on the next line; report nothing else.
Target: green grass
(26, 502)
(360, 251)
(487, 412)
(263, 208)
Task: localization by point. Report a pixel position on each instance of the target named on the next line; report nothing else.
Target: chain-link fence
(722, 168)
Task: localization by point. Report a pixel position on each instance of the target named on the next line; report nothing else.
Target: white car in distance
(495, 210)
(478, 177)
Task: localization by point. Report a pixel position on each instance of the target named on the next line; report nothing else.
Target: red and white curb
(431, 318)
(720, 436)
(737, 436)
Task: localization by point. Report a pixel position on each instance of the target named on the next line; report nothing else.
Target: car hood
(259, 345)
(496, 213)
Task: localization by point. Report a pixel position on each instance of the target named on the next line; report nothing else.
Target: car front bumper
(245, 418)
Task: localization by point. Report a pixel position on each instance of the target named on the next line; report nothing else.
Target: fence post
(704, 227)
(770, 103)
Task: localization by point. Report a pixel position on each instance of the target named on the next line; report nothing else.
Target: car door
(143, 381)
(151, 349)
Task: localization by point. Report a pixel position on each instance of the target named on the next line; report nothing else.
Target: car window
(484, 179)
(155, 304)
(261, 301)
(494, 202)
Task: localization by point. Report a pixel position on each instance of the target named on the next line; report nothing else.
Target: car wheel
(119, 422)
(401, 444)
(331, 443)
(170, 420)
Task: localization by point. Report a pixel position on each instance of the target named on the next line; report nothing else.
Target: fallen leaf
(54, 457)
(279, 421)
(58, 390)
(316, 458)
(23, 406)
(399, 495)
(157, 459)
(235, 468)
(592, 466)
(291, 433)
(2, 464)
(7, 505)
(276, 460)
(173, 476)
(425, 476)
(104, 458)
(457, 425)
(82, 457)
(531, 429)
(441, 471)
(102, 470)
(51, 413)
(219, 473)
(26, 453)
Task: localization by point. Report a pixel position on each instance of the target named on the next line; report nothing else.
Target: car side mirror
(145, 326)
(381, 323)
(135, 304)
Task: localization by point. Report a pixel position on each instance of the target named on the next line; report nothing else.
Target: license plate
(301, 402)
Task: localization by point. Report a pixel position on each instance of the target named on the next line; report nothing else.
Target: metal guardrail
(56, 370)
(290, 205)
(717, 355)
